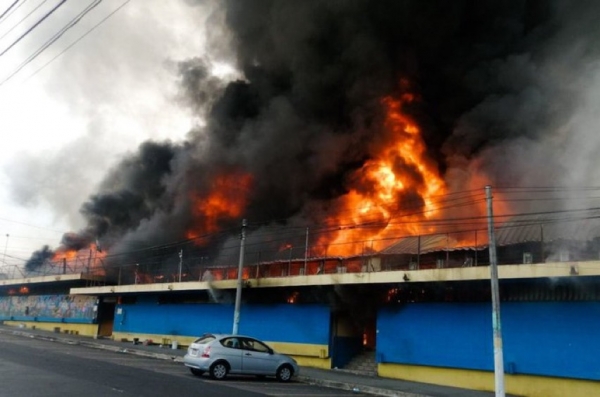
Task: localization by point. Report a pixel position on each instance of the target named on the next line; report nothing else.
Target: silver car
(220, 355)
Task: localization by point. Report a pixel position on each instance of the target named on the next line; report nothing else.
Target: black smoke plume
(491, 77)
(38, 258)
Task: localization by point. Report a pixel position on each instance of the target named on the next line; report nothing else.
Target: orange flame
(285, 247)
(64, 253)
(88, 258)
(226, 200)
(400, 179)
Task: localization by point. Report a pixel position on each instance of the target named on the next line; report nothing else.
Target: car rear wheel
(197, 372)
(284, 373)
(219, 370)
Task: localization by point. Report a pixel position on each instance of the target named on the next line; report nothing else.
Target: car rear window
(205, 339)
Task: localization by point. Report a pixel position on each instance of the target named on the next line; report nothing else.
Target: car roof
(221, 336)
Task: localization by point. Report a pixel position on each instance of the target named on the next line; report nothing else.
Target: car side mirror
(271, 351)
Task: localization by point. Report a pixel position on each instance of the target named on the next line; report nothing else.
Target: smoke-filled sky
(63, 127)
(144, 129)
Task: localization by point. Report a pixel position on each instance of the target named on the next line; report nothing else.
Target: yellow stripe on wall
(298, 350)
(157, 339)
(520, 385)
(61, 328)
(313, 362)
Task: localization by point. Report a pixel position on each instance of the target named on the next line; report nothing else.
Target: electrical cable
(24, 18)
(33, 27)
(160, 253)
(8, 9)
(53, 39)
(29, 225)
(75, 42)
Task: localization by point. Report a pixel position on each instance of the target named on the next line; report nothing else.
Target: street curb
(159, 356)
(94, 345)
(356, 388)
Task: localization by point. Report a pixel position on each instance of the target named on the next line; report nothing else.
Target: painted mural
(48, 307)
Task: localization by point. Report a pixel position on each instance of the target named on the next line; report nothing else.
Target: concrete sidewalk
(338, 379)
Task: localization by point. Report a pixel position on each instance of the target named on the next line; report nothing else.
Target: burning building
(360, 132)
(357, 117)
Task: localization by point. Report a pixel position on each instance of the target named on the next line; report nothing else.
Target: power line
(34, 26)
(546, 188)
(51, 41)
(282, 238)
(75, 42)
(13, 11)
(8, 9)
(30, 225)
(22, 19)
(54, 38)
(460, 225)
(412, 207)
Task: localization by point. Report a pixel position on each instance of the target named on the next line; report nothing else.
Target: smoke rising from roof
(505, 90)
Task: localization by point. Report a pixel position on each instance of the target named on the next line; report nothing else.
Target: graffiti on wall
(49, 306)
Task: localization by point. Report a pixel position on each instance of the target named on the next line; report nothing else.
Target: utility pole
(306, 252)
(180, 263)
(5, 247)
(89, 264)
(497, 329)
(238, 292)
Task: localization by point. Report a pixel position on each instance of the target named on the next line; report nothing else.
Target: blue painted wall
(540, 338)
(282, 323)
(286, 323)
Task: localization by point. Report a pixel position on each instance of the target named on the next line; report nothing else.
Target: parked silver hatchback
(220, 355)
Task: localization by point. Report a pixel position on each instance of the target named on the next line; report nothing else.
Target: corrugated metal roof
(550, 227)
(576, 225)
(424, 244)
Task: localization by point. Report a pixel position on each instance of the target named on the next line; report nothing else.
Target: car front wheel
(219, 370)
(284, 373)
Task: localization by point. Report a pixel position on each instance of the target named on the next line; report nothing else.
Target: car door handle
(247, 354)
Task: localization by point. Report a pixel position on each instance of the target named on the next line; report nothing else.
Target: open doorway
(370, 333)
(351, 337)
(106, 315)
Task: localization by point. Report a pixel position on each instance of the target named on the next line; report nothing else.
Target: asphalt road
(32, 368)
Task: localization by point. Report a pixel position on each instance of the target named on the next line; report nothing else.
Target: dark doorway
(370, 333)
(106, 315)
